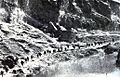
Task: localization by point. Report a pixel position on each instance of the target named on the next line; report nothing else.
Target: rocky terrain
(53, 38)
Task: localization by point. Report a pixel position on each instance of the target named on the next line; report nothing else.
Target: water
(94, 66)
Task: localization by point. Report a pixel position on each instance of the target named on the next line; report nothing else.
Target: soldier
(48, 51)
(39, 54)
(2, 72)
(54, 51)
(22, 62)
(30, 75)
(6, 68)
(88, 44)
(27, 58)
(14, 72)
(44, 52)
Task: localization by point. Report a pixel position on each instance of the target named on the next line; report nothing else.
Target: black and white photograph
(59, 38)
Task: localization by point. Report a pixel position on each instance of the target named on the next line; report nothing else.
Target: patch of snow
(104, 3)
(75, 4)
(53, 25)
(61, 12)
(63, 28)
(116, 1)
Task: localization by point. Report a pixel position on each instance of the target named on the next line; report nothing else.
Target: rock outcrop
(89, 14)
(51, 16)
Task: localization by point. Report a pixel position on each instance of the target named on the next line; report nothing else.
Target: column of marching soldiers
(23, 60)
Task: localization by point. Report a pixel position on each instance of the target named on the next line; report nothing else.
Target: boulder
(110, 50)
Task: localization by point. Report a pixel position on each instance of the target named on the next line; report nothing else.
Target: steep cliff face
(50, 15)
(58, 16)
(115, 14)
(90, 14)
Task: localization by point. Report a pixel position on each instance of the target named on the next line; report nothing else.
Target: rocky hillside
(67, 14)
(88, 14)
(30, 31)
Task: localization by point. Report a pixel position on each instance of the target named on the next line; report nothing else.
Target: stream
(99, 65)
